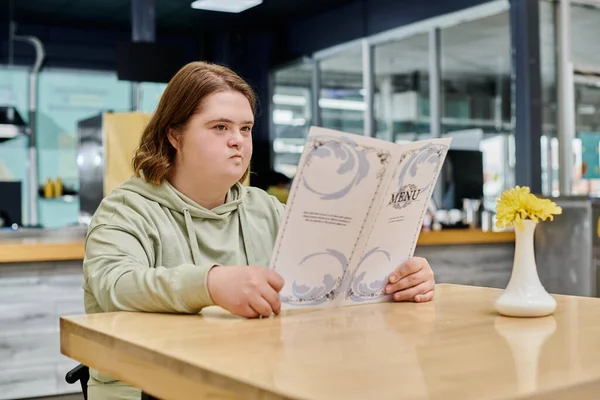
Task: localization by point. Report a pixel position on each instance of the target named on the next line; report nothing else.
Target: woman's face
(216, 144)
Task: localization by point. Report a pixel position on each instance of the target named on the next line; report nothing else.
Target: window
(342, 104)
(291, 115)
(402, 88)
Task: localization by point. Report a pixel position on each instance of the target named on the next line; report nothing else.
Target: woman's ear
(174, 138)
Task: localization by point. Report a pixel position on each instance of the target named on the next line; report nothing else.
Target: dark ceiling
(171, 15)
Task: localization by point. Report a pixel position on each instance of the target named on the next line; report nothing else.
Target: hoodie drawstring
(189, 225)
(249, 245)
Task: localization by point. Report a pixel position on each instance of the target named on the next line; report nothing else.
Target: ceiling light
(340, 104)
(336, 104)
(289, 100)
(231, 6)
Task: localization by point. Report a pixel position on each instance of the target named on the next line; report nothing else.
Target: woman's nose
(236, 139)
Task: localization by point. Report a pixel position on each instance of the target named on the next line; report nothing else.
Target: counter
(72, 248)
(41, 249)
(464, 236)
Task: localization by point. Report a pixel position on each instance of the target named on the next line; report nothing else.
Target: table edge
(221, 380)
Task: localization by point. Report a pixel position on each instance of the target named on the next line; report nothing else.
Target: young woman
(184, 233)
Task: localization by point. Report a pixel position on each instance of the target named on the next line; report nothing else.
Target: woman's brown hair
(155, 156)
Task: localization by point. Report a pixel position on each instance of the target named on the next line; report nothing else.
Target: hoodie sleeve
(118, 271)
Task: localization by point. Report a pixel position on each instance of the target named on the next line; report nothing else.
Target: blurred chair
(279, 186)
(80, 373)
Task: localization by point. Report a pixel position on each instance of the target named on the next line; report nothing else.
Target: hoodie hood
(167, 196)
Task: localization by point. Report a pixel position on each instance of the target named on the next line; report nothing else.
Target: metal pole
(315, 92)
(40, 55)
(136, 96)
(368, 57)
(435, 83)
(142, 30)
(143, 20)
(435, 101)
(11, 31)
(565, 101)
(526, 92)
(498, 98)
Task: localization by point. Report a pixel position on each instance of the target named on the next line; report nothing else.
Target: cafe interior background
(475, 90)
(446, 71)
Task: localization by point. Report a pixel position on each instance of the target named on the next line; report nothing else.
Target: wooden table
(455, 347)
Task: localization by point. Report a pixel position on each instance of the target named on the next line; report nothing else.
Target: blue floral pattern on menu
(306, 295)
(352, 158)
(430, 154)
(360, 290)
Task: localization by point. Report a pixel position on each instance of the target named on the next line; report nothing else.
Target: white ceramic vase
(525, 296)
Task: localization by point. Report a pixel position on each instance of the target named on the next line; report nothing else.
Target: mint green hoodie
(150, 248)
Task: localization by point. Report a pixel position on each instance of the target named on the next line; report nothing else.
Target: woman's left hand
(412, 281)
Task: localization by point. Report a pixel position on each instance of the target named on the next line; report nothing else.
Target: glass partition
(476, 71)
(586, 160)
(402, 88)
(476, 96)
(342, 103)
(291, 115)
(585, 24)
(476, 88)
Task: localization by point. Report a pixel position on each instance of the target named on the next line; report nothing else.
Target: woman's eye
(221, 127)
(247, 129)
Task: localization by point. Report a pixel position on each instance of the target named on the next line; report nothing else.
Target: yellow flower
(518, 204)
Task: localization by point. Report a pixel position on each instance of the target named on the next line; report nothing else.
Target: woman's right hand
(247, 291)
